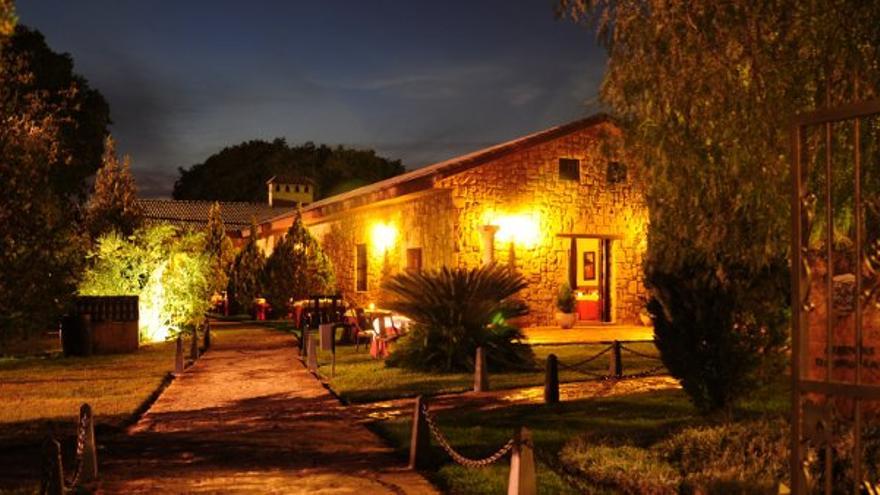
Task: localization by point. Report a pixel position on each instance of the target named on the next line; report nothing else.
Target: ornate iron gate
(836, 300)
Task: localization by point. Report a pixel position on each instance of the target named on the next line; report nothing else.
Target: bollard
(90, 451)
(420, 440)
(481, 373)
(178, 357)
(207, 335)
(551, 380)
(53, 471)
(312, 354)
(522, 480)
(194, 347)
(615, 367)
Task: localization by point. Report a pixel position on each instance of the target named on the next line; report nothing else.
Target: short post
(419, 441)
(333, 355)
(194, 348)
(551, 380)
(207, 334)
(53, 471)
(312, 354)
(615, 367)
(481, 373)
(522, 480)
(178, 357)
(90, 451)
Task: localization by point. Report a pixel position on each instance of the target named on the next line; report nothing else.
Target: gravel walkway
(248, 418)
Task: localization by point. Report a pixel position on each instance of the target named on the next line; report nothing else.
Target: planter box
(101, 325)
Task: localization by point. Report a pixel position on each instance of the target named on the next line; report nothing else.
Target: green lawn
(360, 378)
(38, 391)
(636, 421)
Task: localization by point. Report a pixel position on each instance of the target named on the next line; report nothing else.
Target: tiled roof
(235, 215)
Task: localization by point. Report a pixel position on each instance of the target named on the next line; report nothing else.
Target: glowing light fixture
(522, 229)
(383, 236)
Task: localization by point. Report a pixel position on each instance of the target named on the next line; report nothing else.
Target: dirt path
(248, 418)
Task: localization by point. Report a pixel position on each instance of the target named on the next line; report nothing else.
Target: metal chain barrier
(460, 459)
(578, 366)
(591, 358)
(593, 374)
(637, 353)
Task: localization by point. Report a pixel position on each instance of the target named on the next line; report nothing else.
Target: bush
(454, 311)
(167, 270)
(565, 299)
(720, 334)
(297, 268)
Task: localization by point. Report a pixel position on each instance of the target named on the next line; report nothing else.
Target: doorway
(590, 277)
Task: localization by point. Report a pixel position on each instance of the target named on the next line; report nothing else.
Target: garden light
(383, 236)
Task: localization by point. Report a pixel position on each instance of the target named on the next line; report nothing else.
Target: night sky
(416, 80)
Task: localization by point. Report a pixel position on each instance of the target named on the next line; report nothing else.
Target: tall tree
(240, 172)
(81, 112)
(113, 204)
(246, 283)
(219, 248)
(704, 91)
(40, 246)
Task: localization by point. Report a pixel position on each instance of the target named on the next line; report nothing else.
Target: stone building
(550, 204)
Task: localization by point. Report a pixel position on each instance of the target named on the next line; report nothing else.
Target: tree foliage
(113, 204)
(220, 249)
(297, 268)
(454, 311)
(81, 112)
(169, 271)
(40, 245)
(240, 172)
(704, 92)
(246, 282)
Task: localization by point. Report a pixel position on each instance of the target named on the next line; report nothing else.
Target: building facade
(552, 205)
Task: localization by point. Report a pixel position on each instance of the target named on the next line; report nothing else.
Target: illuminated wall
(521, 194)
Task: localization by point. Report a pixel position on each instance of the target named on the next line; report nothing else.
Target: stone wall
(522, 192)
(526, 185)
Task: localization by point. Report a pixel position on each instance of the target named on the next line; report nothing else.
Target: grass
(40, 391)
(632, 423)
(359, 378)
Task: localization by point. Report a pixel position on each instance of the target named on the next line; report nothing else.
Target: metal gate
(836, 300)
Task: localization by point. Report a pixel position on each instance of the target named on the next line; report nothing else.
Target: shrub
(246, 282)
(297, 268)
(454, 311)
(565, 299)
(167, 270)
(720, 334)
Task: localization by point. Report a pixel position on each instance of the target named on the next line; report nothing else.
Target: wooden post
(522, 479)
(551, 380)
(481, 373)
(312, 354)
(615, 367)
(194, 347)
(53, 471)
(207, 335)
(90, 451)
(420, 440)
(178, 357)
(333, 355)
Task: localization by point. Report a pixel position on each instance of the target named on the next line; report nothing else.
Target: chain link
(591, 358)
(637, 353)
(460, 459)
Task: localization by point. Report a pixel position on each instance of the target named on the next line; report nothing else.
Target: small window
(616, 173)
(361, 268)
(296, 188)
(414, 260)
(570, 169)
(306, 189)
(277, 187)
(286, 188)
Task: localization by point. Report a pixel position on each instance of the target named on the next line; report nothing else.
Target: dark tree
(113, 204)
(245, 284)
(82, 118)
(240, 172)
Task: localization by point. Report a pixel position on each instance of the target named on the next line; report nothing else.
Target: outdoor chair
(358, 327)
(382, 339)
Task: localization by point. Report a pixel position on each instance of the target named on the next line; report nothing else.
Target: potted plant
(565, 317)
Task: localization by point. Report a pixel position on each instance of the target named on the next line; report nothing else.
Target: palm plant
(454, 311)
